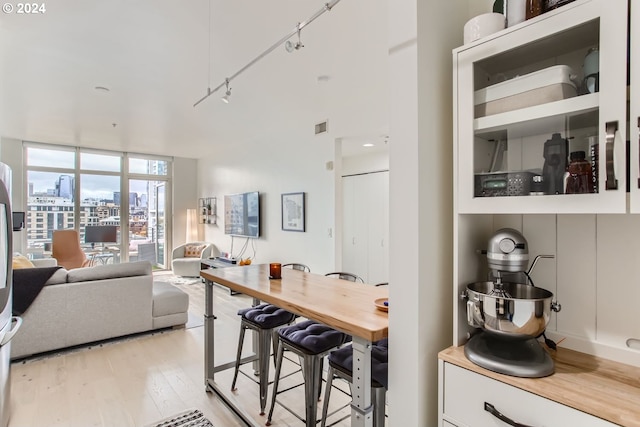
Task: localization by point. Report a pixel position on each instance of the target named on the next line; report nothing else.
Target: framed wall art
(293, 212)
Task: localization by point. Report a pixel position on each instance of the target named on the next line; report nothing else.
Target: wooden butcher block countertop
(597, 386)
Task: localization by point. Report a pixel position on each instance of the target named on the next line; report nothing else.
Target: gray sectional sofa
(90, 304)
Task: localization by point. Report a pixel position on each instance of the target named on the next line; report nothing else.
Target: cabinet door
(466, 394)
(524, 102)
(634, 115)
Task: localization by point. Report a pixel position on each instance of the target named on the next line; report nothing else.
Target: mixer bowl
(523, 314)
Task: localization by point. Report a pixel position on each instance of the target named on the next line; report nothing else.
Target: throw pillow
(21, 261)
(193, 251)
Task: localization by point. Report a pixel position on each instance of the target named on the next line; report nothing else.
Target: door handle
(610, 132)
(16, 322)
(493, 411)
(639, 150)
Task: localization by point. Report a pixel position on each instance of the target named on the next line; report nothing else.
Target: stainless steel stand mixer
(510, 315)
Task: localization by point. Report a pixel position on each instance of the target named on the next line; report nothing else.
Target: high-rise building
(65, 187)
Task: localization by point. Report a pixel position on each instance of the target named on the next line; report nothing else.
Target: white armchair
(185, 259)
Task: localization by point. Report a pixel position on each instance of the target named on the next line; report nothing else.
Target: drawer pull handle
(639, 145)
(493, 411)
(610, 133)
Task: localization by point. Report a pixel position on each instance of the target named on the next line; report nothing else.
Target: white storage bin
(548, 85)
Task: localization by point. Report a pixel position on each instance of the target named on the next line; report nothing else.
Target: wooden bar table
(346, 306)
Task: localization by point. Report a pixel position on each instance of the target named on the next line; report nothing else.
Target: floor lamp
(193, 234)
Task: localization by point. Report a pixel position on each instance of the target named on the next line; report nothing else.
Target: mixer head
(508, 251)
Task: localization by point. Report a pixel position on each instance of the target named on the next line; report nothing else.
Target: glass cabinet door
(541, 114)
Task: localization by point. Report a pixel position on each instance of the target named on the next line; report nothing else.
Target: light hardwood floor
(139, 380)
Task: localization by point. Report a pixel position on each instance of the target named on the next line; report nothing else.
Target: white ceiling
(157, 58)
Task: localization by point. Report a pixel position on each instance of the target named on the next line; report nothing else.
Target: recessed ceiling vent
(321, 127)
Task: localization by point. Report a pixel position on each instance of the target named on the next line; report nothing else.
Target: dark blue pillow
(343, 360)
(266, 316)
(312, 337)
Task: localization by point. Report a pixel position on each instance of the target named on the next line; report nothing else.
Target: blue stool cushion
(266, 316)
(343, 359)
(312, 337)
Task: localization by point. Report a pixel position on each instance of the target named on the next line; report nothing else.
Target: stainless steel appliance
(510, 315)
(9, 325)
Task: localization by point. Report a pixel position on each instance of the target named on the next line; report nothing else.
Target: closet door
(354, 236)
(366, 226)
(378, 234)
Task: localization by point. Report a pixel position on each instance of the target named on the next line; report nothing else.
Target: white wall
(283, 161)
(185, 196)
(421, 165)
(374, 162)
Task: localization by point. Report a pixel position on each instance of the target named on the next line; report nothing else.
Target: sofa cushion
(109, 271)
(193, 251)
(60, 276)
(167, 299)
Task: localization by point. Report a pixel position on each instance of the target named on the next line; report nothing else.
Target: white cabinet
(590, 270)
(468, 397)
(500, 149)
(595, 255)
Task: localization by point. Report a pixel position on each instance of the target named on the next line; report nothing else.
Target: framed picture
(293, 212)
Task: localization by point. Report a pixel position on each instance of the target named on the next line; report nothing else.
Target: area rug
(189, 418)
(177, 280)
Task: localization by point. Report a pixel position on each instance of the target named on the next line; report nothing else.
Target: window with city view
(95, 192)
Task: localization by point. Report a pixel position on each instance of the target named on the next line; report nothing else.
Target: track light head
(227, 94)
(290, 46)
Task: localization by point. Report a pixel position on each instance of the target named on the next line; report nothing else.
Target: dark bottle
(534, 8)
(579, 179)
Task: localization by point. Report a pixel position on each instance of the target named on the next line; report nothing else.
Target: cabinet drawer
(466, 392)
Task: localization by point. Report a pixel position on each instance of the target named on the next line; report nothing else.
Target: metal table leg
(361, 407)
(209, 360)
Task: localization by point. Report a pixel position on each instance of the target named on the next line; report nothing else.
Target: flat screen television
(101, 234)
(18, 220)
(242, 214)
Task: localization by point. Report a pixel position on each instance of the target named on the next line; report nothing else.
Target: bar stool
(311, 341)
(341, 365)
(264, 319)
(346, 276)
(297, 266)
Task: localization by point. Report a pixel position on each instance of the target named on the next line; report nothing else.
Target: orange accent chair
(66, 249)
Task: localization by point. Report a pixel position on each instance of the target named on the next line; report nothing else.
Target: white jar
(516, 12)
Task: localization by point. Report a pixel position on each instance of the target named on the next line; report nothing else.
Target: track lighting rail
(326, 8)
